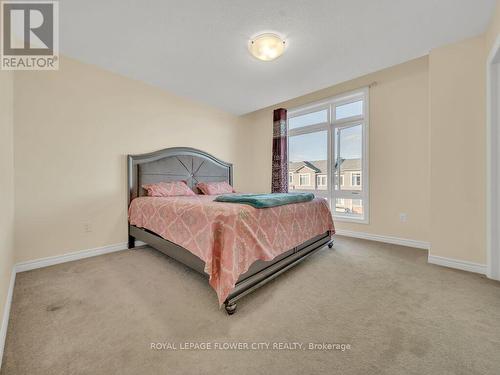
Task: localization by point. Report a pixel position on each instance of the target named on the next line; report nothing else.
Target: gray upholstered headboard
(173, 164)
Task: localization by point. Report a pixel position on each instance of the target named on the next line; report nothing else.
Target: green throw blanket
(266, 200)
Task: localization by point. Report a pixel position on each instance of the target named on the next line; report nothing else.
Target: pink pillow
(168, 189)
(213, 188)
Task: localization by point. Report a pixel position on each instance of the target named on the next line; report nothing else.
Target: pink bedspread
(230, 237)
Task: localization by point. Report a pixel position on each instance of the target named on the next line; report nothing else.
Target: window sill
(347, 219)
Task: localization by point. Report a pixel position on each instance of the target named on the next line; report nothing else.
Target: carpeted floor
(399, 315)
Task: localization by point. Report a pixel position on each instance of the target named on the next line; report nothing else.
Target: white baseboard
(433, 259)
(6, 313)
(50, 261)
(387, 239)
(458, 264)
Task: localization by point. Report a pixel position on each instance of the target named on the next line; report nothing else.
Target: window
(308, 119)
(321, 180)
(290, 178)
(356, 179)
(304, 179)
(351, 207)
(308, 154)
(349, 110)
(330, 138)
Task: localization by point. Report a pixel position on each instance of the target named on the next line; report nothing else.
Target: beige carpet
(398, 314)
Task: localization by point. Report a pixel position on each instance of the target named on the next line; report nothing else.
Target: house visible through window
(321, 180)
(327, 144)
(304, 179)
(356, 179)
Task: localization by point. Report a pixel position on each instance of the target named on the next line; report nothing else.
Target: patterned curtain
(280, 153)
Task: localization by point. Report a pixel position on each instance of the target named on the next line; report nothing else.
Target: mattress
(230, 237)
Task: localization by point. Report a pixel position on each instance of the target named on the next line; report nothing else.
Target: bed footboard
(252, 280)
(268, 274)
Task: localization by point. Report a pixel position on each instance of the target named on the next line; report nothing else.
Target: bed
(263, 261)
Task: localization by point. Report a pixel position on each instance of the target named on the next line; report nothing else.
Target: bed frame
(193, 166)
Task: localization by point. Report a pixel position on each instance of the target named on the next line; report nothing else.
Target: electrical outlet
(403, 217)
(87, 227)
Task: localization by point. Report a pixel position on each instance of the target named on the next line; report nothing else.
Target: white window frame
(320, 177)
(353, 174)
(331, 126)
(308, 179)
(290, 178)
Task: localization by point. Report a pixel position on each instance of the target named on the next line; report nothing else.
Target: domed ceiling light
(267, 46)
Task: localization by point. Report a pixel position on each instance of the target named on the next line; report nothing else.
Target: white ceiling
(198, 49)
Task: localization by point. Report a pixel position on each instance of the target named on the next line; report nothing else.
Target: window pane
(308, 119)
(321, 181)
(348, 158)
(308, 163)
(349, 110)
(349, 207)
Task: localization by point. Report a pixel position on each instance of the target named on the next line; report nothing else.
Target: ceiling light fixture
(267, 46)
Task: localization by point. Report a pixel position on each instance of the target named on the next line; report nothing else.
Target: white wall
(6, 192)
(492, 35)
(493, 29)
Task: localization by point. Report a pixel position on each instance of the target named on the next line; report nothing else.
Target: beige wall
(74, 128)
(457, 118)
(399, 149)
(458, 160)
(6, 188)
